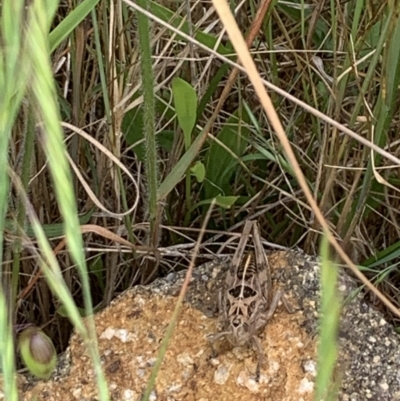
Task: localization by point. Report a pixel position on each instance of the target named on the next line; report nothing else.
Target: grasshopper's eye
(242, 291)
(234, 292)
(249, 292)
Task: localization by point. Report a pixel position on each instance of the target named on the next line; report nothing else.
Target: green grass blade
(13, 77)
(176, 21)
(149, 120)
(180, 168)
(74, 18)
(328, 327)
(7, 354)
(44, 92)
(175, 314)
(385, 256)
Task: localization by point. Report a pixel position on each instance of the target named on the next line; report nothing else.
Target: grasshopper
(246, 302)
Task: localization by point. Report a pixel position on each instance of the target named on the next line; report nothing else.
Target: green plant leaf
(97, 269)
(69, 23)
(181, 167)
(219, 158)
(385, 256)
(223, 201)
(185, 99)
(226, 201)
(132, 127)
(199, 171)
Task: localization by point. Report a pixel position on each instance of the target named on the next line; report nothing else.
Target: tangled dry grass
(340, 59)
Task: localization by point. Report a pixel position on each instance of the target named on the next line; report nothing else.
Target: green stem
(148, 120)
(29, 140)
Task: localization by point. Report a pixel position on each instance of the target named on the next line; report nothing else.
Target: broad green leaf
(199, 171)
(219, 158)
(185, 100)
(222, 201)
(226, 201)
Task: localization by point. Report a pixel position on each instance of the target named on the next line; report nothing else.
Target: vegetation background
(119, 128)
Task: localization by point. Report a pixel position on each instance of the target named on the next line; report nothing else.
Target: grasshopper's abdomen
(247, 268)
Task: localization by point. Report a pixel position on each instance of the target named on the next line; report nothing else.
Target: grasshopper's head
(240, 303)
(240, 330)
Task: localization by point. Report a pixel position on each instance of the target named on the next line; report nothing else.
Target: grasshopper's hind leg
(260, 355)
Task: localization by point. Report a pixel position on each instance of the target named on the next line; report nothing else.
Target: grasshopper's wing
(263, 269)
(237, 257)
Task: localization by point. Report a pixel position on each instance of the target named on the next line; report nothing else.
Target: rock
(131, 328)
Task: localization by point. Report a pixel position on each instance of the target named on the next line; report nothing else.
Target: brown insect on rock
(246, 302)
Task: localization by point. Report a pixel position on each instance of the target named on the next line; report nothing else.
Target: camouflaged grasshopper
(245, 301)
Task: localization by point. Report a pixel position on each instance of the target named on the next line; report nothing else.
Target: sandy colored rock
(130, 330)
